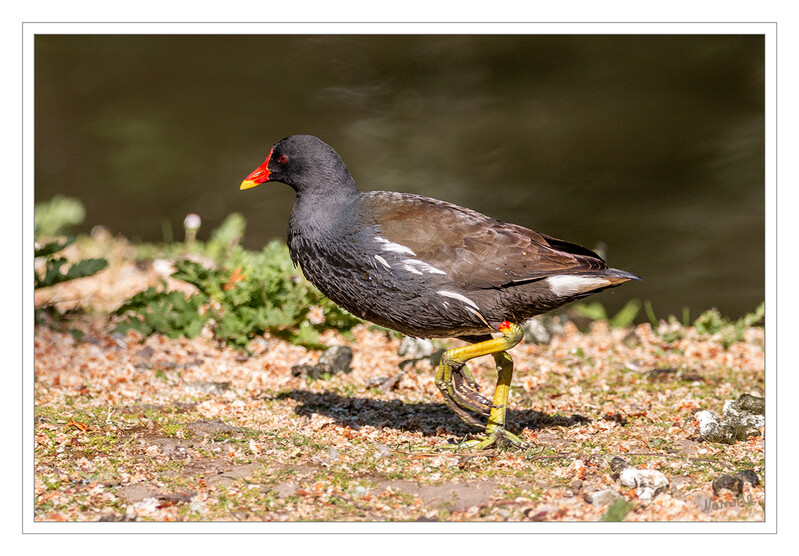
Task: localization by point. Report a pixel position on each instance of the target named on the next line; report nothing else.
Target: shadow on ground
(431, 419)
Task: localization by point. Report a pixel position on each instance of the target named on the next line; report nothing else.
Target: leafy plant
(50, 219)
(711, 322)
(246, 295)
(170, 313)
(53, 273)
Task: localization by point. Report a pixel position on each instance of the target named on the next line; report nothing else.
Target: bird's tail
(617, 276)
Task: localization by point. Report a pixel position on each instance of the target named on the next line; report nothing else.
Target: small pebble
(648, 483)
(338, 358)
(602, 497)
(710, 427)
(750, 404)
(334, 360)
(742, 418)
(749, 476)
(415, 348)
(733, 483)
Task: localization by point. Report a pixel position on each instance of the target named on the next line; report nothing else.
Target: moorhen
(428, 268)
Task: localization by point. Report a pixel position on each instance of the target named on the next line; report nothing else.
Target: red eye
(282, 159)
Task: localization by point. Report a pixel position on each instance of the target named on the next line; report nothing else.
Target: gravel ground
(155, 429)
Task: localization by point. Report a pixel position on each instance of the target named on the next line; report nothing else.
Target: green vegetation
(167, 312)
(53, 273)
(596, 311)
(242, 296)
(709, 323)
(617, 511)
(51, 219)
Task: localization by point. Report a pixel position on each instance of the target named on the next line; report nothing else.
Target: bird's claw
(451, 381)
(499, 437)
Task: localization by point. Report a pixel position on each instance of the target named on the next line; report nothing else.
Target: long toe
(499, 438)
(465, 392)
(464, 415)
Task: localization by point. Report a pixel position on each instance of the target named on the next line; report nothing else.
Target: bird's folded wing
(474, 250)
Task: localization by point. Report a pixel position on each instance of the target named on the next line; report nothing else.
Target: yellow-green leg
(461, 400)
(496, 434)
(452, 371)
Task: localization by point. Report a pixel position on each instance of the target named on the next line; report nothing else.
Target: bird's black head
(305, 163)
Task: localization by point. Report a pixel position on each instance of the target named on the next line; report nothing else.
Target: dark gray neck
(324, 208)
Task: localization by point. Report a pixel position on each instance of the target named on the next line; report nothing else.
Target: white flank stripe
(459, 297)
(393, 247)
(421, 266)
(409, 268)
(478, 315)
(565, 285)
(382, 261)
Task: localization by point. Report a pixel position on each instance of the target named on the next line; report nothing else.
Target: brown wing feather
(476, 251)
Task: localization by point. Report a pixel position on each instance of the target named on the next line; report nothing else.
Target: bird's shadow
(430, 419)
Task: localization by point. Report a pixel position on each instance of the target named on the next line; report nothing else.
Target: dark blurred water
(652, 145)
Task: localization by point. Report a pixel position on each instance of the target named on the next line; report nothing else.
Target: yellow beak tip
(247, 184)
